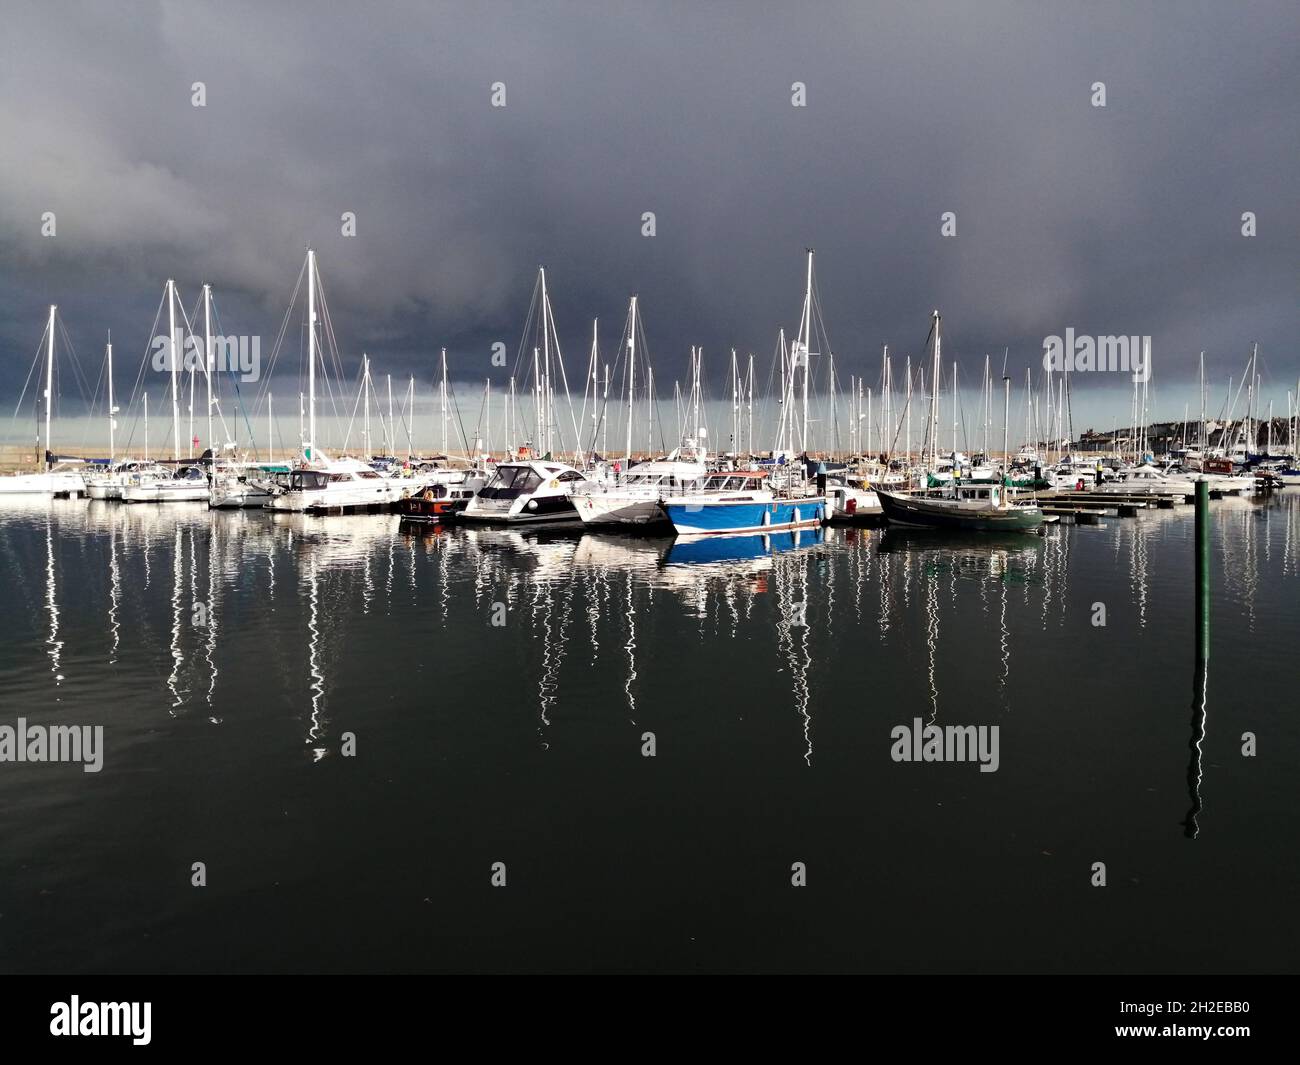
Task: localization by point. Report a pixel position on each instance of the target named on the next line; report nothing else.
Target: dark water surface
(771, 682)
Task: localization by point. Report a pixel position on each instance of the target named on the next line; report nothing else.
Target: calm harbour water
(771, 682)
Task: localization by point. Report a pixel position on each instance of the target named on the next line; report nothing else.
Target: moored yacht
(55, 479)
(1146, 480)
(527, 492)
(333, 485)
(634, 498)
(441, 493)
(978, 507)
(740, 501)
(851, 499)
(186, 484)
(53, 482)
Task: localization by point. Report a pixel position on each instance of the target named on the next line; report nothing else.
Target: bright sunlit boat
(526, 493)
(740, 501)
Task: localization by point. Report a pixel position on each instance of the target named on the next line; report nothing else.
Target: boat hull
(415, 508)
(919, 513)
(711, 518)
(104, 489)
(41, 484)
(546, 517)
(162, 492)
(240, 498)
(614, 509)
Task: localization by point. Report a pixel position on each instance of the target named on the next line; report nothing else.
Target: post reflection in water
(1200, 682)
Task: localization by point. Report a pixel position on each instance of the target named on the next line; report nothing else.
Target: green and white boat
(977, 507)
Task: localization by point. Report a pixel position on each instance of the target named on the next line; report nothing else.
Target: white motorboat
(333, 485)
(526, 492)
(1146, 480)
(851, 499)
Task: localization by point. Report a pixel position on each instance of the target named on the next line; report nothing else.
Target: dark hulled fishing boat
(977, 507)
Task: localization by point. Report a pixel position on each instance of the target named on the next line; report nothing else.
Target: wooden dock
(1084, 508)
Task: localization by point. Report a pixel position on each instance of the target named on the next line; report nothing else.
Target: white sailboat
(187, 484)
(108, 486)
(318, 483)
(633, 497)
(51, 480)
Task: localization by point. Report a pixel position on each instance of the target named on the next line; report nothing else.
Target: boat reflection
(298, 608)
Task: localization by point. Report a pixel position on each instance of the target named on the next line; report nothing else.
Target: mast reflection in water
(228, 654)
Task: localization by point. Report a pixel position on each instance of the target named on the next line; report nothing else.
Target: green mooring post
(1202, 571)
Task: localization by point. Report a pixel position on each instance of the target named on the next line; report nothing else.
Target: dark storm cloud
(1117, 220)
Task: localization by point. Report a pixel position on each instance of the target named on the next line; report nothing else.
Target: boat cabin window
(571, 475)
(369, 475)
(506, 476)
(511, 481)
(308, 480)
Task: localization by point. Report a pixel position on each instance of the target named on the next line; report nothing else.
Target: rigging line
(528, 321)
(40, 347)
(70, 351)
(137, 390)
(239, 396)
(265, 387)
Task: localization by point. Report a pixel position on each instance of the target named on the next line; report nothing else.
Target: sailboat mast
(807, 354)
(207, 355)
(189, 444)
(442, 391)
(1200, 432)
(861, 449)
(112, 410)
(907, 416)
(604, 415)
(697, 363)
(934, 398)
(176, 406)
(650, 411)
(735, 405)
(987, 397)
(596, 407)
(546, 362)
(886, 398)
(750, 388)
(49, 385)
(538, 384)
(954, 410)
(1006, 425)
(311, 353)
(365, 404)
(631, 376)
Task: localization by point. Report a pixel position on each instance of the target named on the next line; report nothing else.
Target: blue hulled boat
(739, 501)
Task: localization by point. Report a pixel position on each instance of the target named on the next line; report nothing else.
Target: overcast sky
(1122, 219)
